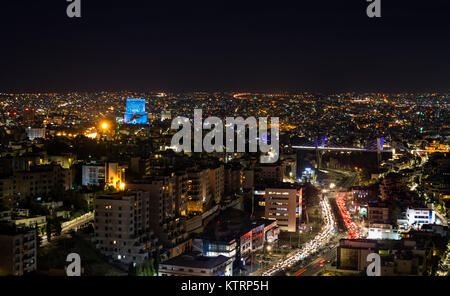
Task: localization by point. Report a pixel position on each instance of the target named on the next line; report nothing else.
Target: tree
(157, 260)
(310, 195)
(396, 212)
(146, 268)
(38, 238)
(49, 231)
(58, 228)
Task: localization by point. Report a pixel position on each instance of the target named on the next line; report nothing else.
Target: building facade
(378, 213)
(416, 217)
(198, 191)
(122, 227)
(92, 174)
(284, 204)
(135, 113)
(18, 250)
(191, 265)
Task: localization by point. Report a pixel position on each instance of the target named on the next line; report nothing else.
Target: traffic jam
(313, 246)
(352, 228)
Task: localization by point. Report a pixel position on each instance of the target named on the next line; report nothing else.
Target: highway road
(327, 255)
(320, 264)
(77, 223)
(74, 224)
(310, 248)
(320, 261)
(322, 249)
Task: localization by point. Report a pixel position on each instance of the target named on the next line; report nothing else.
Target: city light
(352, 228)
(202, 141)
(92, 135)
(311, 247)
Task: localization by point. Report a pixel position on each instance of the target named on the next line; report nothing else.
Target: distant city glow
(92, 135)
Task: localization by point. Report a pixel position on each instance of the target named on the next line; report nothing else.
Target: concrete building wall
(281, 205)
(18, 253)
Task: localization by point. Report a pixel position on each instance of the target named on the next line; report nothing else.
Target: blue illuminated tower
(135, 113)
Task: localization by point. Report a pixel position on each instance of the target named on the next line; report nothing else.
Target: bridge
(379, 146)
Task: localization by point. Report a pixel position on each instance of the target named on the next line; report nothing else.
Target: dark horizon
(256, 46)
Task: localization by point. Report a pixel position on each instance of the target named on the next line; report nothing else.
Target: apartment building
(198, 191)
(40, 180)
(35, 133)
(18, 250)
(165, 200)
(398, 257)
(283, 203)
(378, 213)
(232, 179)
(92, 174)
(390, 186)
(6, 191)
(180, 189)
(216, 182)
(248, 179)
(122, 226)
(417, 217)
(115, 174)
(269, 173)
(252, 240)
(162, 197)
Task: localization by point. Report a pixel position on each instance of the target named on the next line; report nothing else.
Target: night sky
(318, 45)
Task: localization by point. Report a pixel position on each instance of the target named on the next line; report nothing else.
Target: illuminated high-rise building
(35, 132)
(29, 116)
(284, 204)
(135, 113)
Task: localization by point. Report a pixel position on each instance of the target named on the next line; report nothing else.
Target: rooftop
(117, 195)
(195, 261)
(283, 185)
(7, 228)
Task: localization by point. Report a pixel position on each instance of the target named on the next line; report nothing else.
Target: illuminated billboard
(135, 113)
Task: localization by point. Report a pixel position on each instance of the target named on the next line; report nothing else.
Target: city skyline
(215, 139)
(354, 173)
